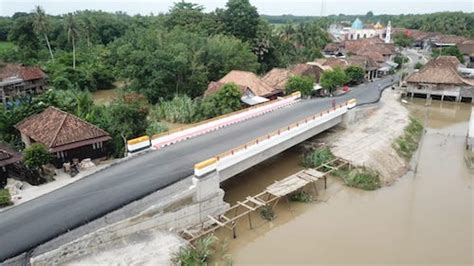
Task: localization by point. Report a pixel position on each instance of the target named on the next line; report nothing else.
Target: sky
(268, 7)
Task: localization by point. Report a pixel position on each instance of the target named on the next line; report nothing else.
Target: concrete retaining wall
(359, 113)
(180, 210)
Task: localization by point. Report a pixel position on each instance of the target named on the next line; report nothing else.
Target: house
(440, 79)
(66, 136)
(467, 49)
(18, 81)
(278, 77)
(253, 88)
(8, 157)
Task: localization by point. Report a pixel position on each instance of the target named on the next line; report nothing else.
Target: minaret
(388, 33)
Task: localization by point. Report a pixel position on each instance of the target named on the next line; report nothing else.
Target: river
(424, 218)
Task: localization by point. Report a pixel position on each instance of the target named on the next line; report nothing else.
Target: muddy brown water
(424, 218)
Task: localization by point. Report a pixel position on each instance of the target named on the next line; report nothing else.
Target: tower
(388, 33)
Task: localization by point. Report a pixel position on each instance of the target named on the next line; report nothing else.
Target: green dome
(357, 24)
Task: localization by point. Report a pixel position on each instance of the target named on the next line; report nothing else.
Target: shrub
(156, 128)
(317, 158)
(5, 198)
(301, 196)
(267, 213)
(362, 178)
(407, 144)
(180, 109)
(418, 65)
(36, 156)
(198, 255)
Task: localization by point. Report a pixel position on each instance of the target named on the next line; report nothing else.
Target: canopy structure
(253, 100)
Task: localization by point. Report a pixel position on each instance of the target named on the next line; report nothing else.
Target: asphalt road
(32, 223)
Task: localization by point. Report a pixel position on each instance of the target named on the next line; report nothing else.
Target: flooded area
(424, 217)
(105, 96)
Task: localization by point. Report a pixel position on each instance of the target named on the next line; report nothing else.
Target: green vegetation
(180, 109)
(301, 196)
(402, 40)
(303, 84)
(267, 213)
(362, 178)
(355, 74)
(331, 80)
(418, 65)
(317, 157)
(5, 198)
(452, 51)
(400, 60)
(36, 156)
(407, 144)
(197, 255)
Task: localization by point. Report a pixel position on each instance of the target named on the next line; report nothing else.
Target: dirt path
(369, 141)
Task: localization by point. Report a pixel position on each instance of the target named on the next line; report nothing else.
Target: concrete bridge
(32, 223)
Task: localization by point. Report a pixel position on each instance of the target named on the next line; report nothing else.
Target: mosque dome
(357, 24)
(378, 26)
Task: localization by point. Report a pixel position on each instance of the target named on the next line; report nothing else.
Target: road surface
(32, 223)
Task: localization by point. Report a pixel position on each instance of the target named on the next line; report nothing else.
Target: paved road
(25, 226)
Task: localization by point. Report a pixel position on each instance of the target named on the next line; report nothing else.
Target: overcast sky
(269, 7)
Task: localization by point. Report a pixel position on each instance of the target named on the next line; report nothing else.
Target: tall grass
(407, 144)
(180, 109)
(317, 157)
(199, 255)
(362, 178)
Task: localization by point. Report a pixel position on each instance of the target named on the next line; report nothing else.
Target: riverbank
(425, 218)
(369, 141)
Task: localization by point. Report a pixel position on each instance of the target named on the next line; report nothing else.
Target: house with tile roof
(8, 157)
(254, 89)
(440, 79)
(17, 81)
(66, 136)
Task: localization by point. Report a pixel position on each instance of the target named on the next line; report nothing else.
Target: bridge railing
(206, 126)
(241, 148)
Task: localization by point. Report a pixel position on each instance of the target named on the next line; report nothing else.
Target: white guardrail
(204, 127)
(201, 129)
(234, 156)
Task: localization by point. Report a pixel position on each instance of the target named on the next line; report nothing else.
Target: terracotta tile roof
(366, 62)
(250, 80)
(277, 78)
(19, 71)
(8, 155)
(417, 35)
(215, 86)
(332, 47)
(59, 130)
(466, 47)
(442, 70)
(353, 46)
(335, 62)
(444, 38)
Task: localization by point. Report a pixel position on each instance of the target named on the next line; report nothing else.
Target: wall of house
(83, 152)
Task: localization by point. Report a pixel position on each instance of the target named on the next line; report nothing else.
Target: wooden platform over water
(268, 198)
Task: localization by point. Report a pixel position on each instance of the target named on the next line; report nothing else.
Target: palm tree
(72, 34)
(41, 26)
(88, 27)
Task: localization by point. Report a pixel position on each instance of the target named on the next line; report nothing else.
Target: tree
(226, 100)
(72, 35)
(41, 26)
(355, 74)
(402, 40)
(449, 51)
(304, 84)
(241, 19)
(88, 28)
(332, 79)
(418, 65)
(36, 156)
(226, 53)
(400, 60)
(23, 35)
